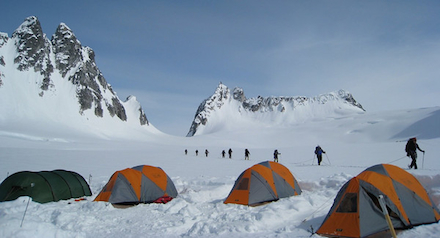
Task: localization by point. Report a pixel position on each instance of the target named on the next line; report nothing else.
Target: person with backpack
(318, 152)
(230, 153)
(275, 156)
(206, 153)
(246, 154)
(411, 151)
(223, 153)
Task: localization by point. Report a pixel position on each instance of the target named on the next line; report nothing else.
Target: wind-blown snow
(353, 143)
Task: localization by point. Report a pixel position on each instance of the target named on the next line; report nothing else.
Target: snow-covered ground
(353, 143)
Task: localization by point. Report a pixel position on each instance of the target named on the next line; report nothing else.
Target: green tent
(44, 186)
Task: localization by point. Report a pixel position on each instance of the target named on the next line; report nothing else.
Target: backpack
(410, 146)
(318, 150)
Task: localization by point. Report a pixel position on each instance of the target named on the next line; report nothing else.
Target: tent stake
(387, 216)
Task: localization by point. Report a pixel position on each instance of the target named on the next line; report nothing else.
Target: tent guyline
(320, 208)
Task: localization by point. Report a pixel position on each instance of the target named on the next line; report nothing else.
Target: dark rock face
(73, 62)
(67, 49)
(261, 104)
(3, 39)
(238, 94)
(350, 99)
(33, 50)
(70, 54)
(116, 108)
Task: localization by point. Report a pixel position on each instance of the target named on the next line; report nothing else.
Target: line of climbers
(410, 149)
(246, 154)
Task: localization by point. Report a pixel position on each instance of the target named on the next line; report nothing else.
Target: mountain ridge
(269, 110)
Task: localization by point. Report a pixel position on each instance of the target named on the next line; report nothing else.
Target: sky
(172, 55)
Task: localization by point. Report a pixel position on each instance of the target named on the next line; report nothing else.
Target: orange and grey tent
(140, 184)
(264, 182)
(356, 211)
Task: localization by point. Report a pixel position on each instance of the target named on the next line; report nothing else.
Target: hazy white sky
(172, 54)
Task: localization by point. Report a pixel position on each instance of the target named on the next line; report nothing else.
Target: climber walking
(411, 151)
(318, 153)
(275, 156)
(246, 154)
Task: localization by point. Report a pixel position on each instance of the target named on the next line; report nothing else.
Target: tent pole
(387, 216)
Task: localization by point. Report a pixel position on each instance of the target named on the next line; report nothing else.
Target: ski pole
(387, 216)
(313, 160)
(423, 160)
(328, 159)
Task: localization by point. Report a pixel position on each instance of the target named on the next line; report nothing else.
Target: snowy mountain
(233, 110)
(60, 75)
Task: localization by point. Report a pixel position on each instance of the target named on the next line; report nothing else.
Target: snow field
(352, 144)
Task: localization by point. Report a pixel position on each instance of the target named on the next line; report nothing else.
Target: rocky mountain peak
(74, 63)
(33, 50)
(219, 97)
(67, 49)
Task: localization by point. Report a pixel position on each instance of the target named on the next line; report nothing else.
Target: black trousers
(413, 155)
(319, 159)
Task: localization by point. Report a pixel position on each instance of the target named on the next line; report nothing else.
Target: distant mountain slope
(229, 110)
(57, 80)
(426, 128)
